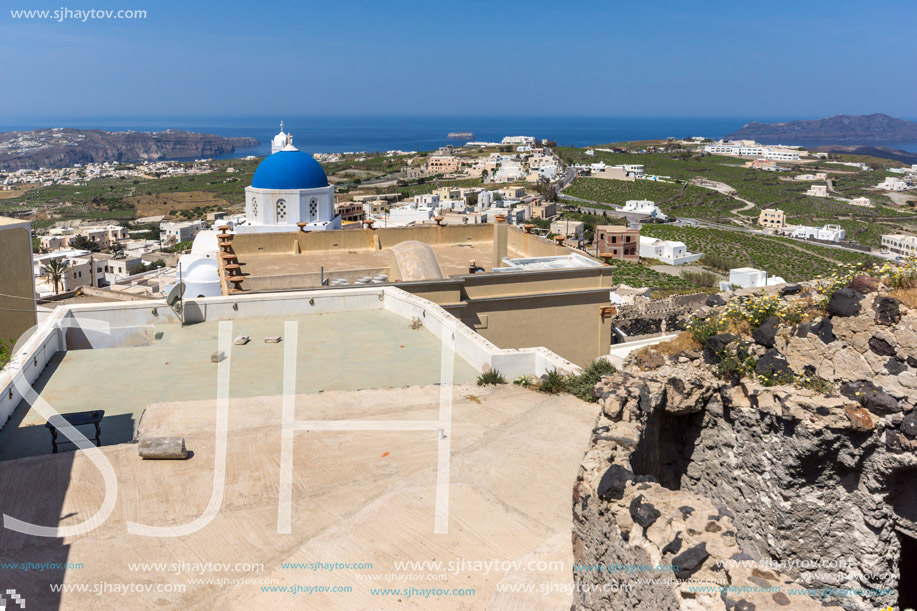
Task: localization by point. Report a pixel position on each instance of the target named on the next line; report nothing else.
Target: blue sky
(343, 57)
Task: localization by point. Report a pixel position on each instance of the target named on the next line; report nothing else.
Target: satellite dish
(175, 294)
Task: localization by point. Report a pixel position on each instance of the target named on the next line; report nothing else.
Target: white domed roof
(205, 243)
(198, 270)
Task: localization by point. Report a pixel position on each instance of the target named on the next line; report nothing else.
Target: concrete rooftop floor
(336, 351)
(358, 497)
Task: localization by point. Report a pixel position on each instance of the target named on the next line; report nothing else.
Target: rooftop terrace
(337, 351)
(357, 497)
(122, 356)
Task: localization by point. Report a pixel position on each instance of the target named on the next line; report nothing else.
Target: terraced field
(763, 189)
(638, 275)
(784, 257)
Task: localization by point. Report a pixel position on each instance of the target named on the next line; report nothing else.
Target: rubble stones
(888, 311)
(909, 424)
(864, 284)
(859, 418)
(881, 346)
(689, 561)
(871, 396)
(614, 481)
(824, 330)
(894, 366)
(766, 332)
(642, 513)
(803, 472)
(773, 364)
(673, 546)
(716, 344)
(845, 302)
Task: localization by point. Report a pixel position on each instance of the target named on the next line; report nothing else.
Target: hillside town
(494, 270)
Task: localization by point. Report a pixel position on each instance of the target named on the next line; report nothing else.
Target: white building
(408, 214)
(749, 278)
(644, 206)
(828, 233)
(173, 233)
(82, 269)
(667, 251)
(430, 200)
(818, 191)
(893, 183)
(746, 148)
(509, 172)
(863, 202)
(289, 188)
(900, 244)
(519, 140)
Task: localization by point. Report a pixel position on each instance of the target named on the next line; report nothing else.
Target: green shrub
(491, 378)
(756, 309)
(6, 351)
(736, 365)
(703, 327)
(581, 385)
(553, 382)
(816, 383)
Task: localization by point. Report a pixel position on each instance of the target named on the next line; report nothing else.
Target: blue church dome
(289, 169)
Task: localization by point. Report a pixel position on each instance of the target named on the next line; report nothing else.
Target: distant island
(856, 129)
(882, 152)
(62, 147)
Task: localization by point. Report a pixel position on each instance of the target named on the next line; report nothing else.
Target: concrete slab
(365, 498)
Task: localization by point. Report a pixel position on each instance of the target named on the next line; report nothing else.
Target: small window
(281, 211)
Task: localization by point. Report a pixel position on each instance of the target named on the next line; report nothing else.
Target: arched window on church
(281, 211)
(313, 209)
(254, 209)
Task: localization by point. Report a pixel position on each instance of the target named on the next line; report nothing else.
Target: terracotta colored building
(618, 241)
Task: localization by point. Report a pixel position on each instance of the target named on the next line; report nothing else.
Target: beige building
(444, 164)
(17, 291)
(513, 192)
(544, 210)
(103, 236)
(614, 173)
(900, 244)
(453, 266)
(571, 229)
(818, 191)
(350, 211)
(772, 218)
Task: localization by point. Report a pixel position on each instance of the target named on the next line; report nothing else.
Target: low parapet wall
(120, 324)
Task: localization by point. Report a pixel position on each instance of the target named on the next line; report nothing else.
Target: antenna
(174, 299)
